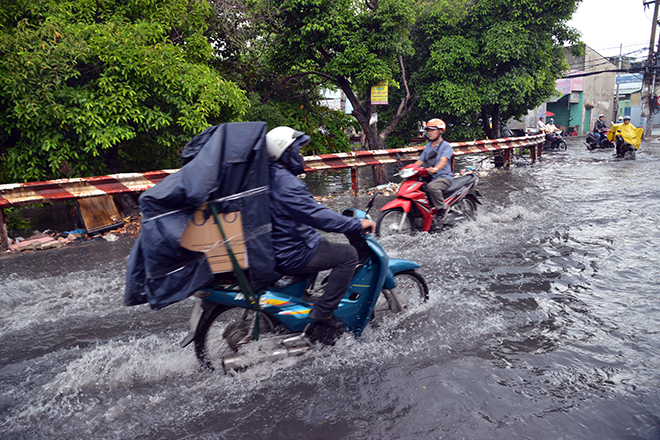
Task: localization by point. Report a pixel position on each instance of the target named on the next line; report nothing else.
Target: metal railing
(16, 194)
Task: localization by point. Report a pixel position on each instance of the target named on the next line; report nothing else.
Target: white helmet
(279, 139)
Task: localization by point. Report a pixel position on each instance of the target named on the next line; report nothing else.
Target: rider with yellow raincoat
(631, 135)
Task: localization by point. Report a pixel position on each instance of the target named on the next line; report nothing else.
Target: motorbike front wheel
(411, 289)
(562, 145)
(222, 330)
(413, 286)
(391, 222)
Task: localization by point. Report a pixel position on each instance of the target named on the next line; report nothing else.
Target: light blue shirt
(444, 150)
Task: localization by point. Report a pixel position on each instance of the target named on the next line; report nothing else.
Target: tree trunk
(376, 143)
(490, 118)
(363, 111)
(485, 122)
(111, 156)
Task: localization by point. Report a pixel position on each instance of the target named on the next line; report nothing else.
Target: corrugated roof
(627, 89)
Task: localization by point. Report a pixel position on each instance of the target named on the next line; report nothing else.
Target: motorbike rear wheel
(223, 330)
(467, 207)
(389, 223)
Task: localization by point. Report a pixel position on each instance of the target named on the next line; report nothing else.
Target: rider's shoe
(327, 329)
(439, 217)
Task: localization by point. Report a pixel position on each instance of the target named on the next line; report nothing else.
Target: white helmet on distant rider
(281, 138)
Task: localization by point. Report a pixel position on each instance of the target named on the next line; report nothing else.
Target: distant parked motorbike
(411, 211)
(554, 142)
(603, 144)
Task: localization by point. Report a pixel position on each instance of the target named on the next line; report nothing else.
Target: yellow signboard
(379, 93)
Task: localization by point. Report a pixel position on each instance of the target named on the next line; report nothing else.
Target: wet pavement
(542, 324)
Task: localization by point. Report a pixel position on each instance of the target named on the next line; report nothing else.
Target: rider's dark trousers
(622, 148)
(434, 190)
(342, 258)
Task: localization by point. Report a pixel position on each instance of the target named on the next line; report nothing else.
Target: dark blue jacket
(295, 216)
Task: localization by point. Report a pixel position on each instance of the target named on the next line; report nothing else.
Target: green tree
(350, 46)
(241, 31)
(492, 60)
(91, 86)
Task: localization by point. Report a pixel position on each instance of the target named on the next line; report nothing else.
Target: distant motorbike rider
(295, 218)
(550, 130)
(540, 125)
(440, 168)
(599, 128)
(630, 136)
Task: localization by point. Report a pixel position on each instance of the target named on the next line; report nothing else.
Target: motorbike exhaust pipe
(293, 346)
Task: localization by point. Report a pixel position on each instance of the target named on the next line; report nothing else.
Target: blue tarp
(226, 164)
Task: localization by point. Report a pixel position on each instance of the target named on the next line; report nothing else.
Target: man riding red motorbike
(440, 171)
(413, 208)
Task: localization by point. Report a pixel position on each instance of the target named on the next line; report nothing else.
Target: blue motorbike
(230, 333)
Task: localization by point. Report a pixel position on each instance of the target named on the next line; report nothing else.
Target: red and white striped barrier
(15, 194)
(496, 144)
(358, 159)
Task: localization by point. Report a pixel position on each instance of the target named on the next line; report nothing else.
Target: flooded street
(543, 323)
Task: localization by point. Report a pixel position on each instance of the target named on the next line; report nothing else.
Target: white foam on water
(30, 300)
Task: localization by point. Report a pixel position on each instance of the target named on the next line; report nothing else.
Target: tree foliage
(350, 46)
(242, 33)
(491, 60)
(90, 86)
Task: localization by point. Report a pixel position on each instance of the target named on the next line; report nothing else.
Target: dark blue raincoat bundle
(228, 165)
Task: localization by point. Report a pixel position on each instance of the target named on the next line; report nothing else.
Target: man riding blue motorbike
(295, 218)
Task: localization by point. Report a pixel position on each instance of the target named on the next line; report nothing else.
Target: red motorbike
(411, 210)
(591, 143)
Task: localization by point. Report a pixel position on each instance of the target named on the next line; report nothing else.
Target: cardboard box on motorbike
(203, 235)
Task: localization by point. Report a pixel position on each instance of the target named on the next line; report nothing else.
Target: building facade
(580, 99)
(586, 97)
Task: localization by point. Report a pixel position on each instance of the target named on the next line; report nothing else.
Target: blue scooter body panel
(395, 266)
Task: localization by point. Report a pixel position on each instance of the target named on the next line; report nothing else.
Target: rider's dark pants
(622, 148)
(434, 190)
(342, 258)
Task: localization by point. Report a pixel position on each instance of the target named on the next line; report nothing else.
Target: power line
(632, 70)
(623, 44)
(601, 61)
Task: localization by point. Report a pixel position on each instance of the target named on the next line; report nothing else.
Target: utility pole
(649, 78)
(616, 97)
